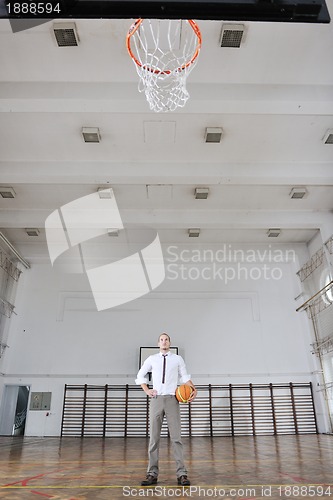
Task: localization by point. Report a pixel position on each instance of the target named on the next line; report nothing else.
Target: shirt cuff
(185, 378)
(142, 380)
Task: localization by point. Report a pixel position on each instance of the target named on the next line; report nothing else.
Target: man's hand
(193, 394)
(152, 393)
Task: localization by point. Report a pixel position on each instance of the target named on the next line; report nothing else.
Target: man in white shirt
(166, 368)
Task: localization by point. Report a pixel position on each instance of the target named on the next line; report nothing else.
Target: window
(327, 278)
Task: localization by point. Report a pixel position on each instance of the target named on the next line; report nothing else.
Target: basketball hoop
(164, 53)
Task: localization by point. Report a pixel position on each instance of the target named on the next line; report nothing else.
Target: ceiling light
(297, 193)
(105, 192)
(231, 35)
(193, 233)
(91, 134)
(201, 193)
(7, 192)
(273, 232)
(66, 34)
(213, 134)
(328, 137)
(31, 231)
(113, 232)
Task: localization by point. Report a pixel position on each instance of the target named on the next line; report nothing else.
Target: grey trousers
(168, 406)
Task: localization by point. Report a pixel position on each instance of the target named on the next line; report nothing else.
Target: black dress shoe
(150, 479)
(183, 481)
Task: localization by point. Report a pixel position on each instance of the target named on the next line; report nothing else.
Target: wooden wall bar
(218, 410)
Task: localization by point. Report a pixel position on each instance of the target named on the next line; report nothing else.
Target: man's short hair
(166, 335)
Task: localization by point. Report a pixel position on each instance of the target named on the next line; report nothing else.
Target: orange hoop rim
(133, 29)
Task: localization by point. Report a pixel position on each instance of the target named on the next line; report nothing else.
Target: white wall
(237, 326)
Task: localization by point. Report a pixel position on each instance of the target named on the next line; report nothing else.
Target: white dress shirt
(175, 371)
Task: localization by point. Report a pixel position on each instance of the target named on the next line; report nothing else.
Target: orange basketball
(183, 392)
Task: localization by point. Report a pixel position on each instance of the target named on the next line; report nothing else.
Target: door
(14, 410)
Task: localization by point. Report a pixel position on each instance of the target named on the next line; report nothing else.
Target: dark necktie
(164, 364)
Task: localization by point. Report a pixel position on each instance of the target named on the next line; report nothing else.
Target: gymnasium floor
(221, 467)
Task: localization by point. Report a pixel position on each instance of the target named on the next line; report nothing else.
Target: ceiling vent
(273, 232)
(194, 233)
(201, 193)
(328, 137)
(113, 232)
(7, 192)
(91, 134)
(213, 134)
(231, 35)
(66, 34)
(31, 231)
(297, 193)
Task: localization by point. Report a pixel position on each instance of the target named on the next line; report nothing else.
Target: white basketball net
(164, 53)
